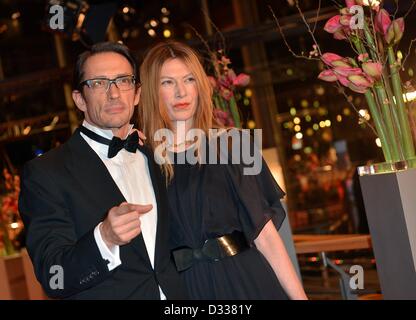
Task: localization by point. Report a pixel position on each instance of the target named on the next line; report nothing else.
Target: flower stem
(371, 43)
(222, 103)
(385, 145)
(385, 108)
(234, 112)
(408, 146)
(393, 109)
(384, 125)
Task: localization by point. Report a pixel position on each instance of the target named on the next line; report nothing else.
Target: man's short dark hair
(101, 47)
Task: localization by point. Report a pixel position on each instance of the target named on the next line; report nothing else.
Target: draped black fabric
(209, 201)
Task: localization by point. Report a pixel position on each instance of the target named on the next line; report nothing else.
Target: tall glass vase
(390, 205)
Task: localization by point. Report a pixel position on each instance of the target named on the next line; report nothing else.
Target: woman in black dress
(223, 223)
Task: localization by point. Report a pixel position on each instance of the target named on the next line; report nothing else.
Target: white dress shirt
(130, 172)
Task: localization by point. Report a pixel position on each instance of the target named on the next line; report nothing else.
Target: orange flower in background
(225, 84)
(10, 222)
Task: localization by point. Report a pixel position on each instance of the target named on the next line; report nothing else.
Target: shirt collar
(106, 133)
(100, 148)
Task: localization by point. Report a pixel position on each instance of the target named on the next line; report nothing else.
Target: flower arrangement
(9, 214)
(225, 84)
(374, 71)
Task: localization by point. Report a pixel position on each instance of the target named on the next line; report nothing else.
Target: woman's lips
(181, 105)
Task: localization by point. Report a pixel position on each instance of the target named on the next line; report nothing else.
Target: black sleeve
(259, 199)
(51, 237)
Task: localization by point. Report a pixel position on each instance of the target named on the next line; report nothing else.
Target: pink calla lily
(345, 20)
(339, 26)
(350, 3)
(341, 64)
(360, 80)
(241, 80)
(395, 31)
(347, 71)
(333, 25)
(328, 58)
(363, 57)
(343, 80)
(226, 93)
(357, 89)
(382, 21)
(328, 75)
(373, 69)
(340, 35)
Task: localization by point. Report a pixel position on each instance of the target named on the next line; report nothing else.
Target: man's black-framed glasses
(123, 83)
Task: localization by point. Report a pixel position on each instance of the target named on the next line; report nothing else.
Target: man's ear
(137, 96)
(79, 100)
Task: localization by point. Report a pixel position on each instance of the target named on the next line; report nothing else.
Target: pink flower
(333, 25)
(382, 21)
(241, 80)
(373, 69)
(329, 58)
(225, 61)
(350, 3)
(328, 75)
(363, 57)
(347, 71)
(227, 94)
(343, 80)
(223, 117)
(395, 31)
(340, 35)
(357, 89)
(360, 80)
(212, 81)
(345, 20)
(339, 26)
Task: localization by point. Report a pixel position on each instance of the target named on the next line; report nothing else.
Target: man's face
(112, 109)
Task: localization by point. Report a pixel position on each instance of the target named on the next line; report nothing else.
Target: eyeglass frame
(110, 82)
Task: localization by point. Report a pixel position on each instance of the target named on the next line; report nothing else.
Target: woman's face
(178, 90)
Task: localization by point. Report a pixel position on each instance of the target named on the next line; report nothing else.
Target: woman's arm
(270, 244)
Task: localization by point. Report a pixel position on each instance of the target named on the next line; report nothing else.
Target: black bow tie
(131, 143)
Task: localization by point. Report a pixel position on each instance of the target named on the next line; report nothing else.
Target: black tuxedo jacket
(64, 195)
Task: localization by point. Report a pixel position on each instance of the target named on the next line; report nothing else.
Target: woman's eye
(166, 82)
(190, 79)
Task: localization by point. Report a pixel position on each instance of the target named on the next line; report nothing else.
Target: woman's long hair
(153, 114)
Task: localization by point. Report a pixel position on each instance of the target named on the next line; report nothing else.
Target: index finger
(129, 207)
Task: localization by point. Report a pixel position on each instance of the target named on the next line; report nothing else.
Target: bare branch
(410, 9)
(285, 40)
(216, 29)
(397, 8)
(212, 54)
(317, 16)
(308, 27)
(342, 89)
(408, 52)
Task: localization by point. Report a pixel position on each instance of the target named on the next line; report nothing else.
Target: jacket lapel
(159, 188)
(97, 183)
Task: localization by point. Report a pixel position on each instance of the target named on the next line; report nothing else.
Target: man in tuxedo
(94, 208)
